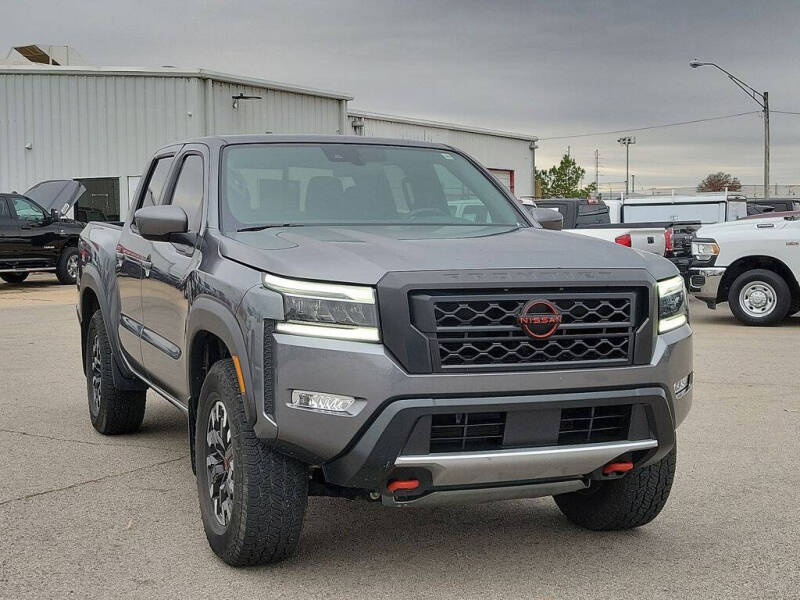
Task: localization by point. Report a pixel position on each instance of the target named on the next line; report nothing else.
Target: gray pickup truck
(334, 324)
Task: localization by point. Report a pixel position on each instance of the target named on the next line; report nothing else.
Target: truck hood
(59, 194)
(364, 254)
(734, 227)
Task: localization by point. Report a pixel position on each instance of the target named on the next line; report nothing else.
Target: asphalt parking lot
(103, 517)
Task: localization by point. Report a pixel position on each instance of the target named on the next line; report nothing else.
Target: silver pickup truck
(332, 326)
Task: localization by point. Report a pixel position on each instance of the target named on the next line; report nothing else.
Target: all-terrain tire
(625, 503)
(67, 267)
(779, 296)
(14, 277)
(267, 497)
(111, 411)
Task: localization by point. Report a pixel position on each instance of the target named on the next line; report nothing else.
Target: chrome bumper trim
(551, 462)
(704, 281)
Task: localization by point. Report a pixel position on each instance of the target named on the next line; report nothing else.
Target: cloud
(547, 68)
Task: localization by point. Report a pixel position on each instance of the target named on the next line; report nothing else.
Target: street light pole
(627, 141)
(761, 98)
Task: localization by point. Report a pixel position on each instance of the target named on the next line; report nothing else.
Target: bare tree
(718, 182)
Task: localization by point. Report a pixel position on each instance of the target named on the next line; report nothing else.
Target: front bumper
(362, 449)
(704, 283)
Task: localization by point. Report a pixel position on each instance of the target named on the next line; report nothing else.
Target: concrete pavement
(110, 517)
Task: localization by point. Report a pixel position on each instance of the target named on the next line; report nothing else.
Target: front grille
(467, 431)
(464, 432)
(594, 424)
(481, 331)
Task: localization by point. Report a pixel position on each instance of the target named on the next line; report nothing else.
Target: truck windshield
(266, 185)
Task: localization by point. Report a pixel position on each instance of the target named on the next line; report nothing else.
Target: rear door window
(5, 214)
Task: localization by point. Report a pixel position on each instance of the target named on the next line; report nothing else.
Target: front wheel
(632, 501)
(14, 277)
(252, 498)
(67, 268)
(760, 297)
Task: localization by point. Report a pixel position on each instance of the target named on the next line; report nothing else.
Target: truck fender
(210, 315)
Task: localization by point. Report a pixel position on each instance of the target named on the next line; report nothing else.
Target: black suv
(35, 236)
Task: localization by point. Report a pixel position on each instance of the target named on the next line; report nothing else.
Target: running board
(28, 270)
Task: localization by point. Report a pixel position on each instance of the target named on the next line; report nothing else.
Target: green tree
(564, 180)
(718, 182)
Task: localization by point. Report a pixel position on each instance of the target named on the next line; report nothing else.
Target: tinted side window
(5, 214)
(188, 192)
(155, 185)
(27, 210)
(592, 215)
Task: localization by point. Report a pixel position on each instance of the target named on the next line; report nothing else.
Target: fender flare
(210, 315)
(124, 378)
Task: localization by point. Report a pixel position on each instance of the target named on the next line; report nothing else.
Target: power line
(578, 135)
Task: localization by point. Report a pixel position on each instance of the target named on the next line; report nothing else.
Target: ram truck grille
(483, 332)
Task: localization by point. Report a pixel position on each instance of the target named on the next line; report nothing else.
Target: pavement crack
(74, 441)
(73, 486)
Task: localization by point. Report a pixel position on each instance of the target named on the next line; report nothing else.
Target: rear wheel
(111, 411)
(14, 277)
(252, 498)
(759, 297)
(632, 501)
(67, 268)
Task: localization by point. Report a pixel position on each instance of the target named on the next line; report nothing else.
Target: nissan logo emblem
(539, 318)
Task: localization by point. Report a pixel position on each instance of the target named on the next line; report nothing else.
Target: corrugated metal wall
(102, 125)
(491, 151)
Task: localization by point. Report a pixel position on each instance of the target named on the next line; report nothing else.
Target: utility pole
(533, 146)
(633, 184)
(627, 141)
(761, 98)
(597, 170)
(765, 95)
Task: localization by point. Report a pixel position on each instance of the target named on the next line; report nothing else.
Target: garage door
(505, 176)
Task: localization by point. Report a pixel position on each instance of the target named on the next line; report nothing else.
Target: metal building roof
(440, 125)
(171, 72)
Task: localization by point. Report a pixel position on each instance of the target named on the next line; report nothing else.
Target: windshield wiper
(267, 226)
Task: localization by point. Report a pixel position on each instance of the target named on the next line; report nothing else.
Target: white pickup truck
(753, 264)
(591, 218)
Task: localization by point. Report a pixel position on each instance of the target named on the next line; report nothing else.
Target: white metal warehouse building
(509, 156)
(101, 124)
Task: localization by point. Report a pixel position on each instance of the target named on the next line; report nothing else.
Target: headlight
(672, 309)
(704, 251)
(326, 309)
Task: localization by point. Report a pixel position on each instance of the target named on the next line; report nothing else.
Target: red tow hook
(617, 467)
(403, 484)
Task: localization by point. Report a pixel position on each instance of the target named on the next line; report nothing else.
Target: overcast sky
(547, 68)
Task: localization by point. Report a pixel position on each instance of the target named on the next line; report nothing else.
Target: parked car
(331, 327)
(752, 264)
(591, 217)
(35, 235)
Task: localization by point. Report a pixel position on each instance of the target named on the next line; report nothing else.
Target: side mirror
(548, 218)
(159, 222)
